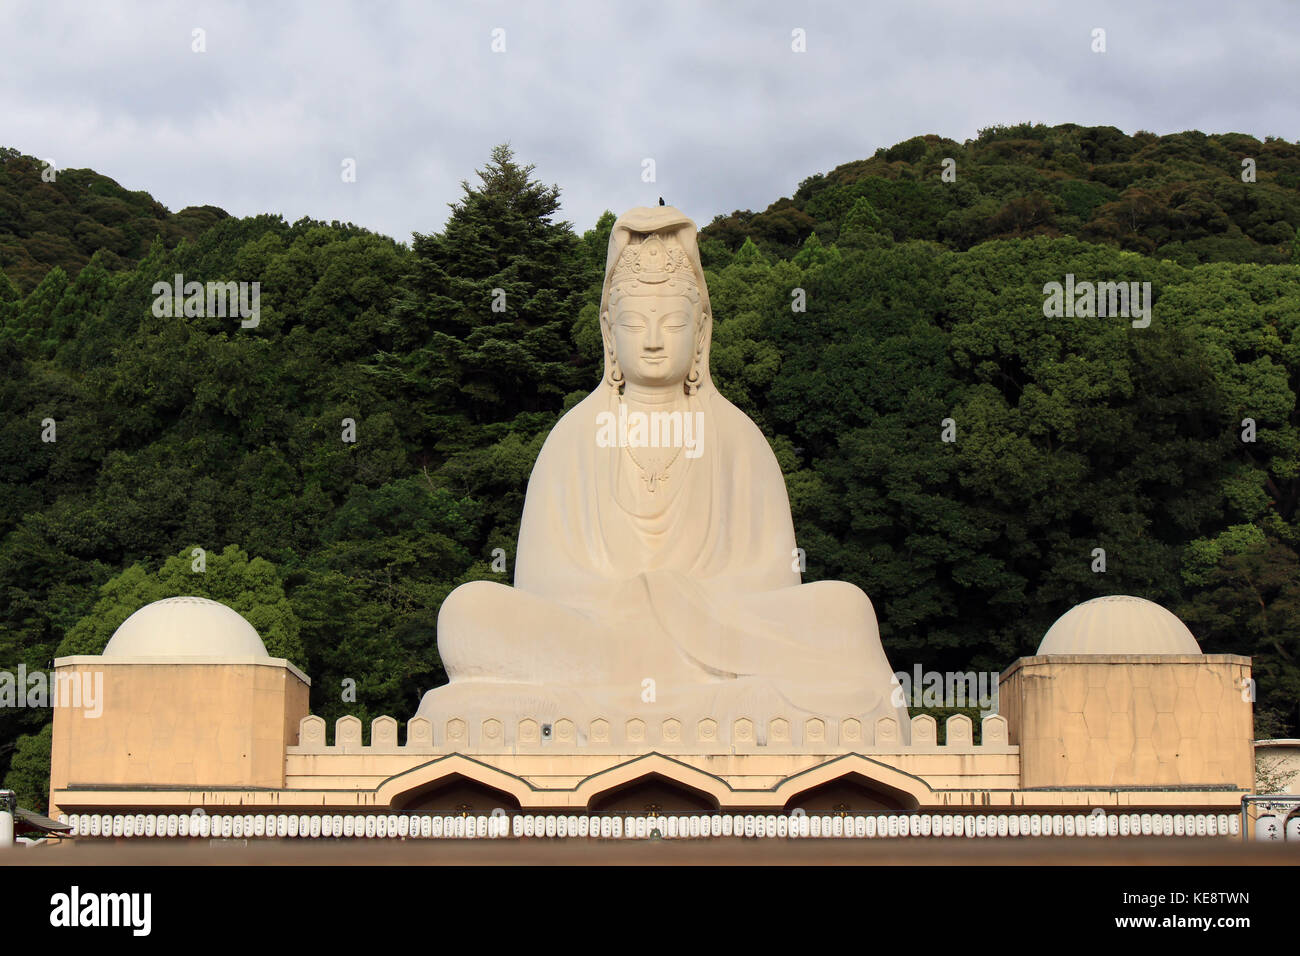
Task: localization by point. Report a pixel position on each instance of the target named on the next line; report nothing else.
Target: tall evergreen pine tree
(480, 334)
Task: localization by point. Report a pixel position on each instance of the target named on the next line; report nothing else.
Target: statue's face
(655, 338)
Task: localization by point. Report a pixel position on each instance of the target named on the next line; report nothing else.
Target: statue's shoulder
(579, 422)
(735, 422)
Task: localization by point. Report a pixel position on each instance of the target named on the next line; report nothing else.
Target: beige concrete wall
(179, 724)
(1130, 720)
(939, 769)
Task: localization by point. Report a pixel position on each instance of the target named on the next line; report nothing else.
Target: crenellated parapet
(664, 734)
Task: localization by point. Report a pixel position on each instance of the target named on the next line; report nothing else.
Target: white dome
(1118, 624)
(180, 627)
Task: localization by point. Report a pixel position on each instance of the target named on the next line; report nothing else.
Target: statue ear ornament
(693, 379)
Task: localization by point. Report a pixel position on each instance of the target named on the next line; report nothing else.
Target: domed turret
(1118, 624)
(186, 627)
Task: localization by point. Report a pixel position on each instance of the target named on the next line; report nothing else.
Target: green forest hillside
(62, 217)
(1173, 447)
(1178, 197)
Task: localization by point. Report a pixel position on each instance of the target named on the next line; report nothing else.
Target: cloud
(732, 117)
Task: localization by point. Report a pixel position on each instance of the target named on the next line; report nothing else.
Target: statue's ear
(607, 332)
(612, 372)
(696, 374)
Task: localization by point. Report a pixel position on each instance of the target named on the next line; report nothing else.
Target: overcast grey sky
(712, 92)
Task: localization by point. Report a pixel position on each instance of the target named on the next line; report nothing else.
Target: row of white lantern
(422, 826)
(275, 825)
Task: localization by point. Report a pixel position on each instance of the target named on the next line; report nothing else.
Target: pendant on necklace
(652, 480)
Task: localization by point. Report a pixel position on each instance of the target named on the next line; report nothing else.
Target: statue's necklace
(652, 476)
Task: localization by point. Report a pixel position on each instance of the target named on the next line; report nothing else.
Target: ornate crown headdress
(650, 260)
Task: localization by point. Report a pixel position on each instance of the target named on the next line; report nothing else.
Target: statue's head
(654, 311)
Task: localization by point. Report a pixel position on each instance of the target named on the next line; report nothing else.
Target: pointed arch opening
(653, 793)
(455, 794)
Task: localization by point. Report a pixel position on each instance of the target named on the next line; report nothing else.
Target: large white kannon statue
(657, 573)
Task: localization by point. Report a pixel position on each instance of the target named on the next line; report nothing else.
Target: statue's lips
(654, 358)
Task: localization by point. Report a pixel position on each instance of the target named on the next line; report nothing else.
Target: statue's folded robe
(689, 596)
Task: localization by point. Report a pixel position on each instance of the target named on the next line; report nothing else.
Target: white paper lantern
(1268, 828)
(1293, 828)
